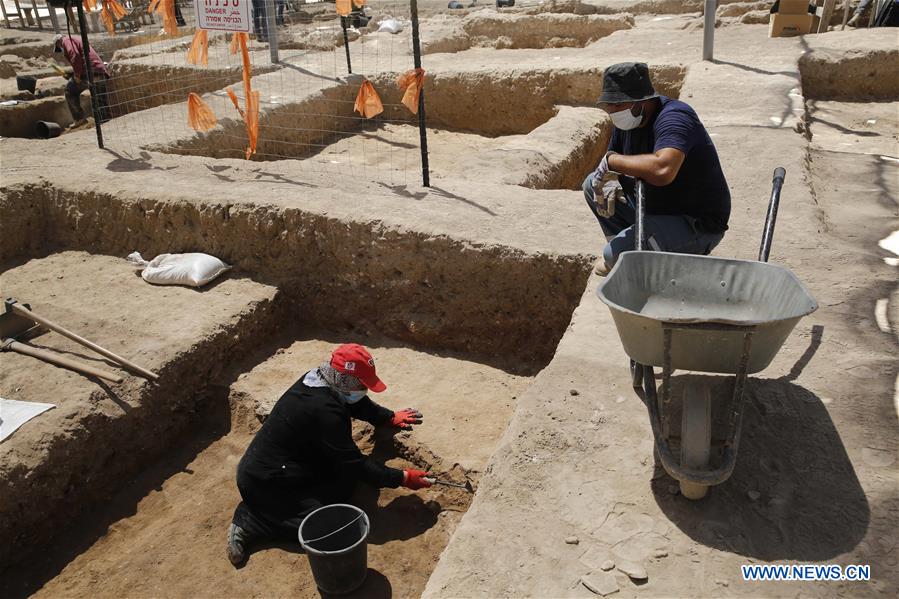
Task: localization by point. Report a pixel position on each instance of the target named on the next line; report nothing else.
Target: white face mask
(354, 396)
(625, 120)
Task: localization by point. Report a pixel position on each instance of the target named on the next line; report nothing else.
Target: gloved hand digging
(415, 479)
(404, 419)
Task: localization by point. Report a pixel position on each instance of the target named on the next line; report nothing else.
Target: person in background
(259, 22)
(304, 456)
(70, 47)
(661, 141)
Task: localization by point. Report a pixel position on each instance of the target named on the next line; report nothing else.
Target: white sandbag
(194, 270)
(390, 26)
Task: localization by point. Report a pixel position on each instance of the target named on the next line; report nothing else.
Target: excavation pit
(101, 434)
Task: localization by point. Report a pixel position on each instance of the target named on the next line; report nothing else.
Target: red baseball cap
(352, 358)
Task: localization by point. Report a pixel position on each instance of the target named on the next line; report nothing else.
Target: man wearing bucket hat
(661, 141)
(304, 455)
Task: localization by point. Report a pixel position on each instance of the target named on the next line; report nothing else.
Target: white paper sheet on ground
(14, 414)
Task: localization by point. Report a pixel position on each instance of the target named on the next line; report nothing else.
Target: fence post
(271, 30)
(89, 71)
(708, 29)
(422, 131)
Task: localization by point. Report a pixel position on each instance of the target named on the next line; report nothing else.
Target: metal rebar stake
(86, 51)
(422, 130)
(346, 44)
(708, 29)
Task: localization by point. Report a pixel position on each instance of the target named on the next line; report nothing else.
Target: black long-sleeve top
(308, 439)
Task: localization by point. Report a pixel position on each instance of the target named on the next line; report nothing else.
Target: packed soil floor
(477, 297)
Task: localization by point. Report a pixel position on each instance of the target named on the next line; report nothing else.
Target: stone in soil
(601, 583)
(607, 565)
(634, 571)
(572, 540)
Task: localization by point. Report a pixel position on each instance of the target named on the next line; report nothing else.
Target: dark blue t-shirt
(699, 189)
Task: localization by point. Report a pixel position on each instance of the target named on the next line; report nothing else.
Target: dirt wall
(851, 65)
(428, 291)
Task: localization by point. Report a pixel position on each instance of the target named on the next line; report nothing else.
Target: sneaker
(237, 545)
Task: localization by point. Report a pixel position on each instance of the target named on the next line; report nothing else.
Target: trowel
(436, 481)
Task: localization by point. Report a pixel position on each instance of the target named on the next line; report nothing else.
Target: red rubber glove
(404, 419)
(415, 479)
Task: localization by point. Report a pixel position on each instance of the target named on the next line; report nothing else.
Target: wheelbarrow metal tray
(649, 291)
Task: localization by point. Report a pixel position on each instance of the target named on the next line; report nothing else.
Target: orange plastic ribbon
(358, 3)
(344, 7)
(412, 82)
(251, 114)
(166, 10)
(235, 46)
(89, 5)
(199, 48)
(234, 101)
(368, 103)
(199, 115)
(111, 12)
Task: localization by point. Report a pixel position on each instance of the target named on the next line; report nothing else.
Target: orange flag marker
(368, 103)
(199, 115)
(344, 7)
(412, 82)
(199, 48)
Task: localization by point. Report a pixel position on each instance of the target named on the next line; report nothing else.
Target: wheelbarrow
(705, 314)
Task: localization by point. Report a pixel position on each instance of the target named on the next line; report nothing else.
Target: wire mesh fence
(298, 62)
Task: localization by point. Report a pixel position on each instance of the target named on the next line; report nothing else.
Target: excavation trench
(481, 136)
(451, 333)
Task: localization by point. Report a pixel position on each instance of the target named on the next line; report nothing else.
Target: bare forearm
(650, 167)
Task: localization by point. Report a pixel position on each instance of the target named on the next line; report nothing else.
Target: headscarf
(339, 381)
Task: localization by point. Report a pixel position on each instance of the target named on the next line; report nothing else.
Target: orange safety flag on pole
(344, 7)
(412, 82)
(199, 48)
(358, 3)
(89, 5)
(235, 46)
(166, 10)
(199, 115)
(252, 120)
(368, 103)
(111, 12)
(251, 114)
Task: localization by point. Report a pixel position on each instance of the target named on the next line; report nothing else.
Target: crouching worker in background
(304, 456)
(70, 47)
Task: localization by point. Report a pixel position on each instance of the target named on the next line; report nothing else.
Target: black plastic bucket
(47, 129)
(334, 538)
(26, 84)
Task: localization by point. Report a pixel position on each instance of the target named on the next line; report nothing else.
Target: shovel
(18, 323)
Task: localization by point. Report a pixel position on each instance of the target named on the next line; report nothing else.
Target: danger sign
(223, 15)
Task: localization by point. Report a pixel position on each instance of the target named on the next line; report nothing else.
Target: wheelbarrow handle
(771, 218)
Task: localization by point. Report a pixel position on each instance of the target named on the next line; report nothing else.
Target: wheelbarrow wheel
(696, 437)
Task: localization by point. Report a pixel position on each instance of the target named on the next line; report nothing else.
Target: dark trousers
(259, 22)
(678, 233)
(273, 510)
(74, 89)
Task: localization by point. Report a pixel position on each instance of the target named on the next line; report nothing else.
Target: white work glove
(603, 168)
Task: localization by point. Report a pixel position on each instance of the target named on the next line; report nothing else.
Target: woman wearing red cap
(304, 455)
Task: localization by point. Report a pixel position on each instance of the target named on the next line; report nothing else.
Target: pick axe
(18, 323)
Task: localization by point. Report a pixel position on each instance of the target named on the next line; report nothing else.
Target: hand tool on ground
(436, 481)
(23, 312)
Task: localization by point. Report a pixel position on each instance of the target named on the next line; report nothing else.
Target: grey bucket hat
(626, 82)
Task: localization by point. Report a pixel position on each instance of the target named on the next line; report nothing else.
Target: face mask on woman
(625, 119)
(353, 396)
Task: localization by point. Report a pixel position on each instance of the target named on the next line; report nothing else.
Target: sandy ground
(816, 476)
(183, 506)
(394, 147)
